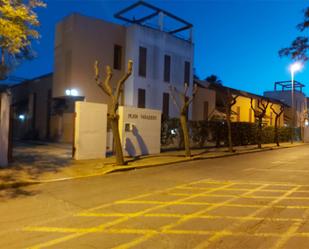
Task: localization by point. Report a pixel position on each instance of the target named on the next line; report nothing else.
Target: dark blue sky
(238, 40)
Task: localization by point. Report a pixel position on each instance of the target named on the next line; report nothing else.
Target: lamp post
(296, 66)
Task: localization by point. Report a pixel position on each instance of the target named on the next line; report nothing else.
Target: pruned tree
(299, 47)
(278, 115)
(114, 95)
(259, 113)
(17, 29)
(182, 102)
(229, 100)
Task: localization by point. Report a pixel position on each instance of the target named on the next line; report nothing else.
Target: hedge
(201, 132)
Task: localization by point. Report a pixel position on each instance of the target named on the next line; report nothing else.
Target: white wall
(300, 103)
(90, 130)
(4, 128)
(144, 137)
(79, 41)
(158, 44)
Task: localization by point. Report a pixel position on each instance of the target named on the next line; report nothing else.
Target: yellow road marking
(147, 234)
(291, 231)
(215, 204)
(170, 215)
(271, 204)
(152, 231)
(117, 221)
(55, 241)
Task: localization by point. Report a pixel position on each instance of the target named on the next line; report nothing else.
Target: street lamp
(296, 66)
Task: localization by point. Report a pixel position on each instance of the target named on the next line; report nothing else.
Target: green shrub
(201, 132)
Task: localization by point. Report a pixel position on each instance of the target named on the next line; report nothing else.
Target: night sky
(238, 40)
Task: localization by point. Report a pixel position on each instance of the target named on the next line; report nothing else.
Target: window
(165, 106)
(271, 119)
(141, 101)
(187, 72)
(167, 68)
(205, 112)
(117, 57)
(142, 61)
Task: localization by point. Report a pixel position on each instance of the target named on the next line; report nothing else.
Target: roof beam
(146, 17)
(180, 29)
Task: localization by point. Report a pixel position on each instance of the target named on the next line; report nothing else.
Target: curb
(129, 168)
(17, 184)
(229, 154)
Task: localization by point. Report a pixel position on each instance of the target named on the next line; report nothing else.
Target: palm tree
(214, 79)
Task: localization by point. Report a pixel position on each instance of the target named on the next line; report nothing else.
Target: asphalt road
(258, 200)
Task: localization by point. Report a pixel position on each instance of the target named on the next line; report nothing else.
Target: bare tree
(114, 95)
(298, 50)
(278, 114)
(229, 100)
(183, 108)
(259, 113)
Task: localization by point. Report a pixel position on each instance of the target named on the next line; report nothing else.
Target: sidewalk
(50, 163)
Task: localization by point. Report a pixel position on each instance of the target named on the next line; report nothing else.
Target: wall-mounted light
(306, 122)
(68, 92)
(74, 92)
(21, 117)
(71, 92)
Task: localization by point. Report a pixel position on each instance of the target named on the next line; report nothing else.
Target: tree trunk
(184, 127)
(259, 133)
(229, 130)
(2, 57)
(117, 143)
(276, 132)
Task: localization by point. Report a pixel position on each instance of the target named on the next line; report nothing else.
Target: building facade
(31, 108)
(282, 92)
(210, 98)
(160, 59)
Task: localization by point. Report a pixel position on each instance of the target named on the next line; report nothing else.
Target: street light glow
(296, 66)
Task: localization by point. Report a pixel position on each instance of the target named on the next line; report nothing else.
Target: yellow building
(242, 111)
(213, 97)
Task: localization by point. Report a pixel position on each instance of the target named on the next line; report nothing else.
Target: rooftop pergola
(148, 12)
(287, 85)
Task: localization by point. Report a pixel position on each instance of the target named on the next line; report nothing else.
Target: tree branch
(123, 79)
(172, 91)
(105, 86)
(189, 101)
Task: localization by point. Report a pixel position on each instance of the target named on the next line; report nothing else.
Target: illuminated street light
(296, 66)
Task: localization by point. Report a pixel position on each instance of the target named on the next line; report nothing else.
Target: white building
(160, 58)
(282, 92)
